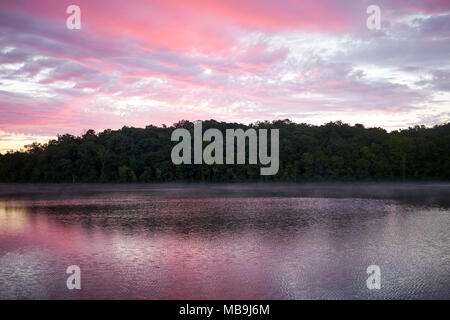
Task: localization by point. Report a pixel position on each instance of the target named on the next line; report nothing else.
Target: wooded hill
(334, 151)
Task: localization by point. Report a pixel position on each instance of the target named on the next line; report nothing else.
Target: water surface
(225, 241)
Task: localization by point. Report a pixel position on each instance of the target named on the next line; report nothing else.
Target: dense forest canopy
(334, 151)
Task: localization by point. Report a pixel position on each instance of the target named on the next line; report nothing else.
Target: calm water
(230, 241)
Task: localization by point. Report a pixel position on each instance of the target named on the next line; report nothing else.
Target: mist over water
(225, 241)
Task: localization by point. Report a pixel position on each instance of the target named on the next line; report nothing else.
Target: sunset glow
(157, 62)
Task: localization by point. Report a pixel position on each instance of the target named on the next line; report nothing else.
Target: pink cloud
(153, 62)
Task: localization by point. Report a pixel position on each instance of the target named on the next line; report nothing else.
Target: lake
(225, 241)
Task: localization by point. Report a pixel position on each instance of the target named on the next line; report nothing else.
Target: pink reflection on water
(118, 263)
(137, 246)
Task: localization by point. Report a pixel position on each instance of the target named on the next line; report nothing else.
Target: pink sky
(137, 63)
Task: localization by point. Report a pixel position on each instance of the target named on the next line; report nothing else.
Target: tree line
(333, 151)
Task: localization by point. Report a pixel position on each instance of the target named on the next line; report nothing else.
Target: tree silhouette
(334, 151)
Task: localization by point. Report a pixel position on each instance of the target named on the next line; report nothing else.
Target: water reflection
(154, 242)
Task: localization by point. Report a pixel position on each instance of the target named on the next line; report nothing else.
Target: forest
(331, 152)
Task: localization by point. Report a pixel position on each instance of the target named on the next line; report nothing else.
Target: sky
(136, 63)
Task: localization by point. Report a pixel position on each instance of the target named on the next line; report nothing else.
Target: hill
(334, 151)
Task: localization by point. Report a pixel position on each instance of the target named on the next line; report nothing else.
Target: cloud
(156, 62)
